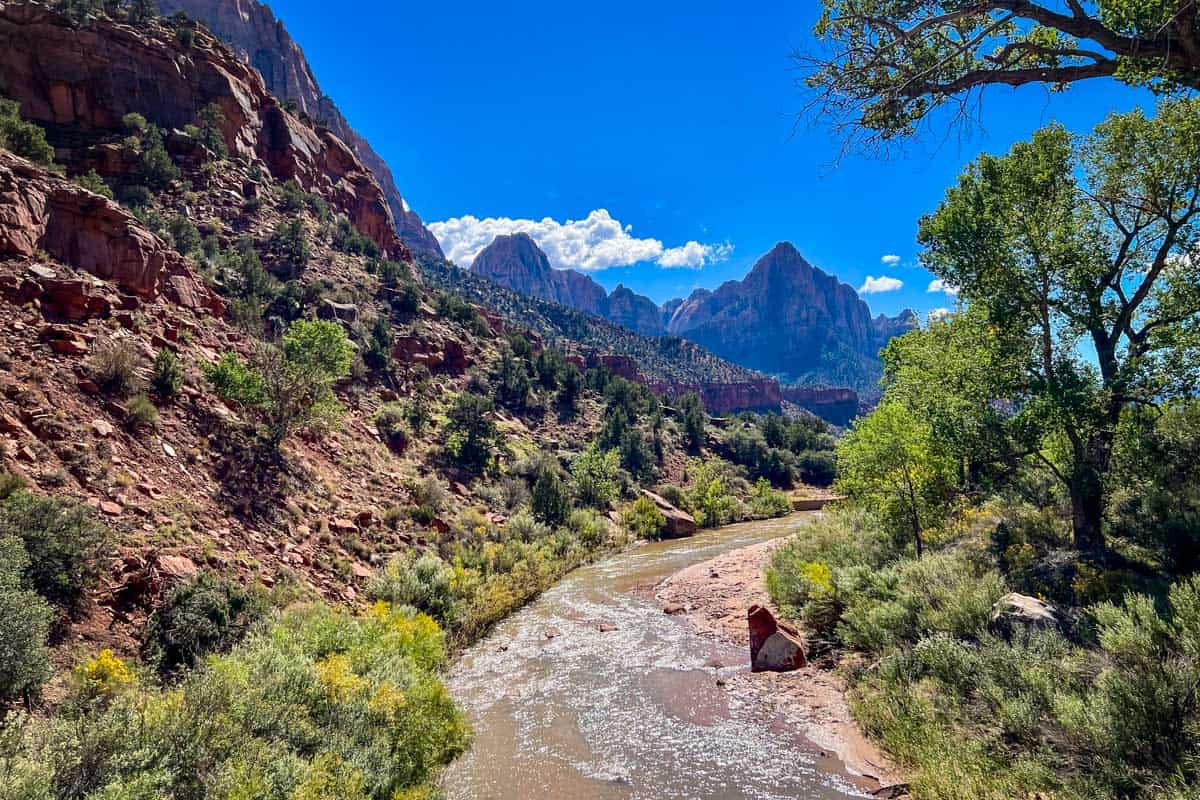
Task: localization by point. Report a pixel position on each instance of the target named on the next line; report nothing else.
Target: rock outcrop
(41, 212)
(837, 404)
(762, 395)
(680, 524)
(1015, 611)
(784, 318)
(516, 262)
(252, 31)
(80, 82)
(774, 646)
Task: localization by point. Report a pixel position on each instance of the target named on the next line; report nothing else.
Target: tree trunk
(1087, 513)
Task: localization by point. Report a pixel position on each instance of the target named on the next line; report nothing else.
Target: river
(593, 692)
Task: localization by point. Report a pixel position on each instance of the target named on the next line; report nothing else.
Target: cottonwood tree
(1080, 254)
(884, 65)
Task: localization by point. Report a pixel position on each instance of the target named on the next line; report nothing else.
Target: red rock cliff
(250, 28)
(84, 80)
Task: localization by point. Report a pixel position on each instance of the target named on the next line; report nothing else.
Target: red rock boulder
(774, 646)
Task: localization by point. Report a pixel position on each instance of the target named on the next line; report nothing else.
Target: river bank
(711, 598)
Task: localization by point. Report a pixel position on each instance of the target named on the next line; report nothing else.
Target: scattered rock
(1014, 611)
(178, 567)
(552, 633)
(673, 609)
(343, 526)
(774, 646)
(110, 509)
(342, 312)
(606, 627)
(102, 428)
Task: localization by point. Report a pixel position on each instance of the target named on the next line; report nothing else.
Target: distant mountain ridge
(515, 261)
(252, 31)
(785, 318)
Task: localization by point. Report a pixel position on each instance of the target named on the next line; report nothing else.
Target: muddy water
(593, 692)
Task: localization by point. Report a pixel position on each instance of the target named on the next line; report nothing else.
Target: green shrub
(816, 468)
(292, 197)
(92, 181)
(423, 582)
(320, 704)
(65, 543)
(550, 497)
(211, 120)
(768, 502)
(23, 138)
(643, 520)
(590, 528)
(184, 234)
(290, 245)
(114, 366)
(206, 615)
(712, 497)
(24, 625)
(595, 475)
(289, 386)
(390, 422)
(471, 430)
(166, 378)
(347, 239)
(134, 122)
(899, 604)
(140, 413)
(158, 171)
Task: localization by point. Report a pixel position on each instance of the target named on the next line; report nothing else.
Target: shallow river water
(564, 709)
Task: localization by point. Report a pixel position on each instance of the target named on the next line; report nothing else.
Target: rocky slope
(261, 40)
(790, 319)
(79, 82)
(82, 276)
(515, 261)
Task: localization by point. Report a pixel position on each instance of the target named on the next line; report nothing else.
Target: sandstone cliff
(250, 28)
(80, 82)
(788, 318)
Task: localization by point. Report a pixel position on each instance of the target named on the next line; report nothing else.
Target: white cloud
(890, 260)
(939, 285)
(879, 285)
(596, 242)
(939, 314)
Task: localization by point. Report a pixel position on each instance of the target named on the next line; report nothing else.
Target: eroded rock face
(783, 318)
(40, 211)
(837, 404)
(774, 646)
(86, 79)
(251, 30)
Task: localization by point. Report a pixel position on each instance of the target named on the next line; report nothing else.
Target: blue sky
(674, 118)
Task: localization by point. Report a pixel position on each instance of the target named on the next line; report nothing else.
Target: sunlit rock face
(251, 30)
(786, 317)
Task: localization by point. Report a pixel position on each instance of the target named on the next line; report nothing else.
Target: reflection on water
(563, 709)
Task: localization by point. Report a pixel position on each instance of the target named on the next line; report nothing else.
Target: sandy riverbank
(713, 597)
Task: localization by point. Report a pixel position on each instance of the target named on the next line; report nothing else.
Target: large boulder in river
(680, 524)
(774, 646)
(1014, 612)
